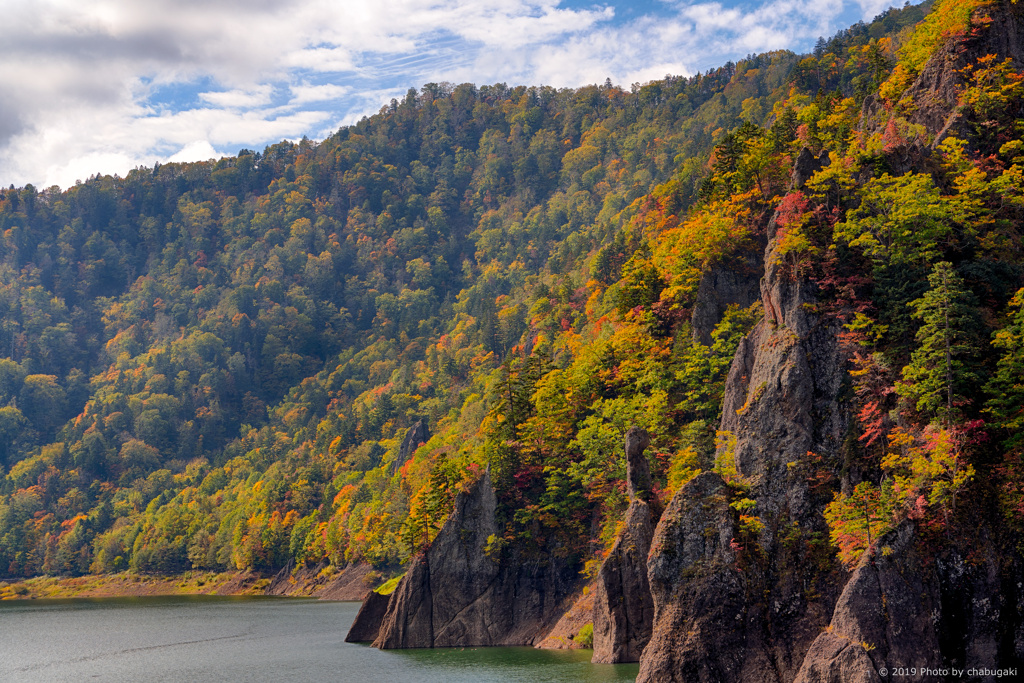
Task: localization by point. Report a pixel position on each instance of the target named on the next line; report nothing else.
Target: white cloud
(325, 59)
(239, 99)
(200, 150)
(105, 85)
(82, 167)
(304, 94)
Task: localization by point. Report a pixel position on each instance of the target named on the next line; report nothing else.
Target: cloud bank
(103, 86)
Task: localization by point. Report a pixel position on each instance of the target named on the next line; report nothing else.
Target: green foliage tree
(703, 370)
(901, 220)
(1006, 387)
(42, 401)
(12, 422)
(939, 380)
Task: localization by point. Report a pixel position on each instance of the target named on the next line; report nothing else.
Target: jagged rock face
(699, 594)
(782, 402)
(805, 166)
(782, 397)
(623, 607)
(884, 616)
(409, 619)
(459, 595)
(905, 607)
(638, 470)
(366, 626)
(936, 90)
(417, 434)
(735, 282)
(431, 601)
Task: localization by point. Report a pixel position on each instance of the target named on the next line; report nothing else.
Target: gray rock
(735, 282)
(805, 166)
(431, 608)
(623, 606)
(464, 593)
(418, 434)
(782, 394)
(698, 593)
(883, 617)
(638, 470)
(366, 626)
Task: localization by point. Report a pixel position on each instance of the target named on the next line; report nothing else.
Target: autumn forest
(300, 356)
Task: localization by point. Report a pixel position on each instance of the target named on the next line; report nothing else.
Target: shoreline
(322, 581)
(126, 585)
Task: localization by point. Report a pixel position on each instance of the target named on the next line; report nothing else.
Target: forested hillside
(305, 353)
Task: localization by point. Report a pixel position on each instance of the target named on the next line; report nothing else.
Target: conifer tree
(1006, 388)
(935, 380)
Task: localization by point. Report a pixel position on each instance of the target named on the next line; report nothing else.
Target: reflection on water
(204, 638)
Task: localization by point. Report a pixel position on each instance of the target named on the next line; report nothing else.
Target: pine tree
(820, 47)
(941, 369)
(1006, 408)
(1006, 388)
(512, 406)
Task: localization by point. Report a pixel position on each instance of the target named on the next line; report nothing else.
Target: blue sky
(103, 86)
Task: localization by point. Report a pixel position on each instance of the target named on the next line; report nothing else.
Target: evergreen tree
(940, 371)
(820, 46)
(1006, 388)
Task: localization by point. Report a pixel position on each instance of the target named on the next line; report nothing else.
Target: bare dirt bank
(351, 583)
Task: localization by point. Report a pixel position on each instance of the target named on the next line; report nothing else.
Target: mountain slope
(234, 364)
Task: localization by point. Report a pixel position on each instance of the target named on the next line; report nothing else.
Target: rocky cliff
(885, 614)
(904, 608)
(734, 282)
(777, 409)
(718, 620)
(699, 593)
(366, 626)
(711, 594)
(415, 436)
(770, 604)
(623, 608)
(466, 591)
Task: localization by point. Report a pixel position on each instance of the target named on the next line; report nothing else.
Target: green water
(205, 638)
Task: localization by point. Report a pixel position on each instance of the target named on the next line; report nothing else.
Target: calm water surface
(202, 638)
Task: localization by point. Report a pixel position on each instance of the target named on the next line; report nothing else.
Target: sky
(105, 86)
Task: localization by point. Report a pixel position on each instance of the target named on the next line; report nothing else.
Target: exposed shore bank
(351, 583)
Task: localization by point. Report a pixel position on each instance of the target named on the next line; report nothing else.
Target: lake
(205, 638)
